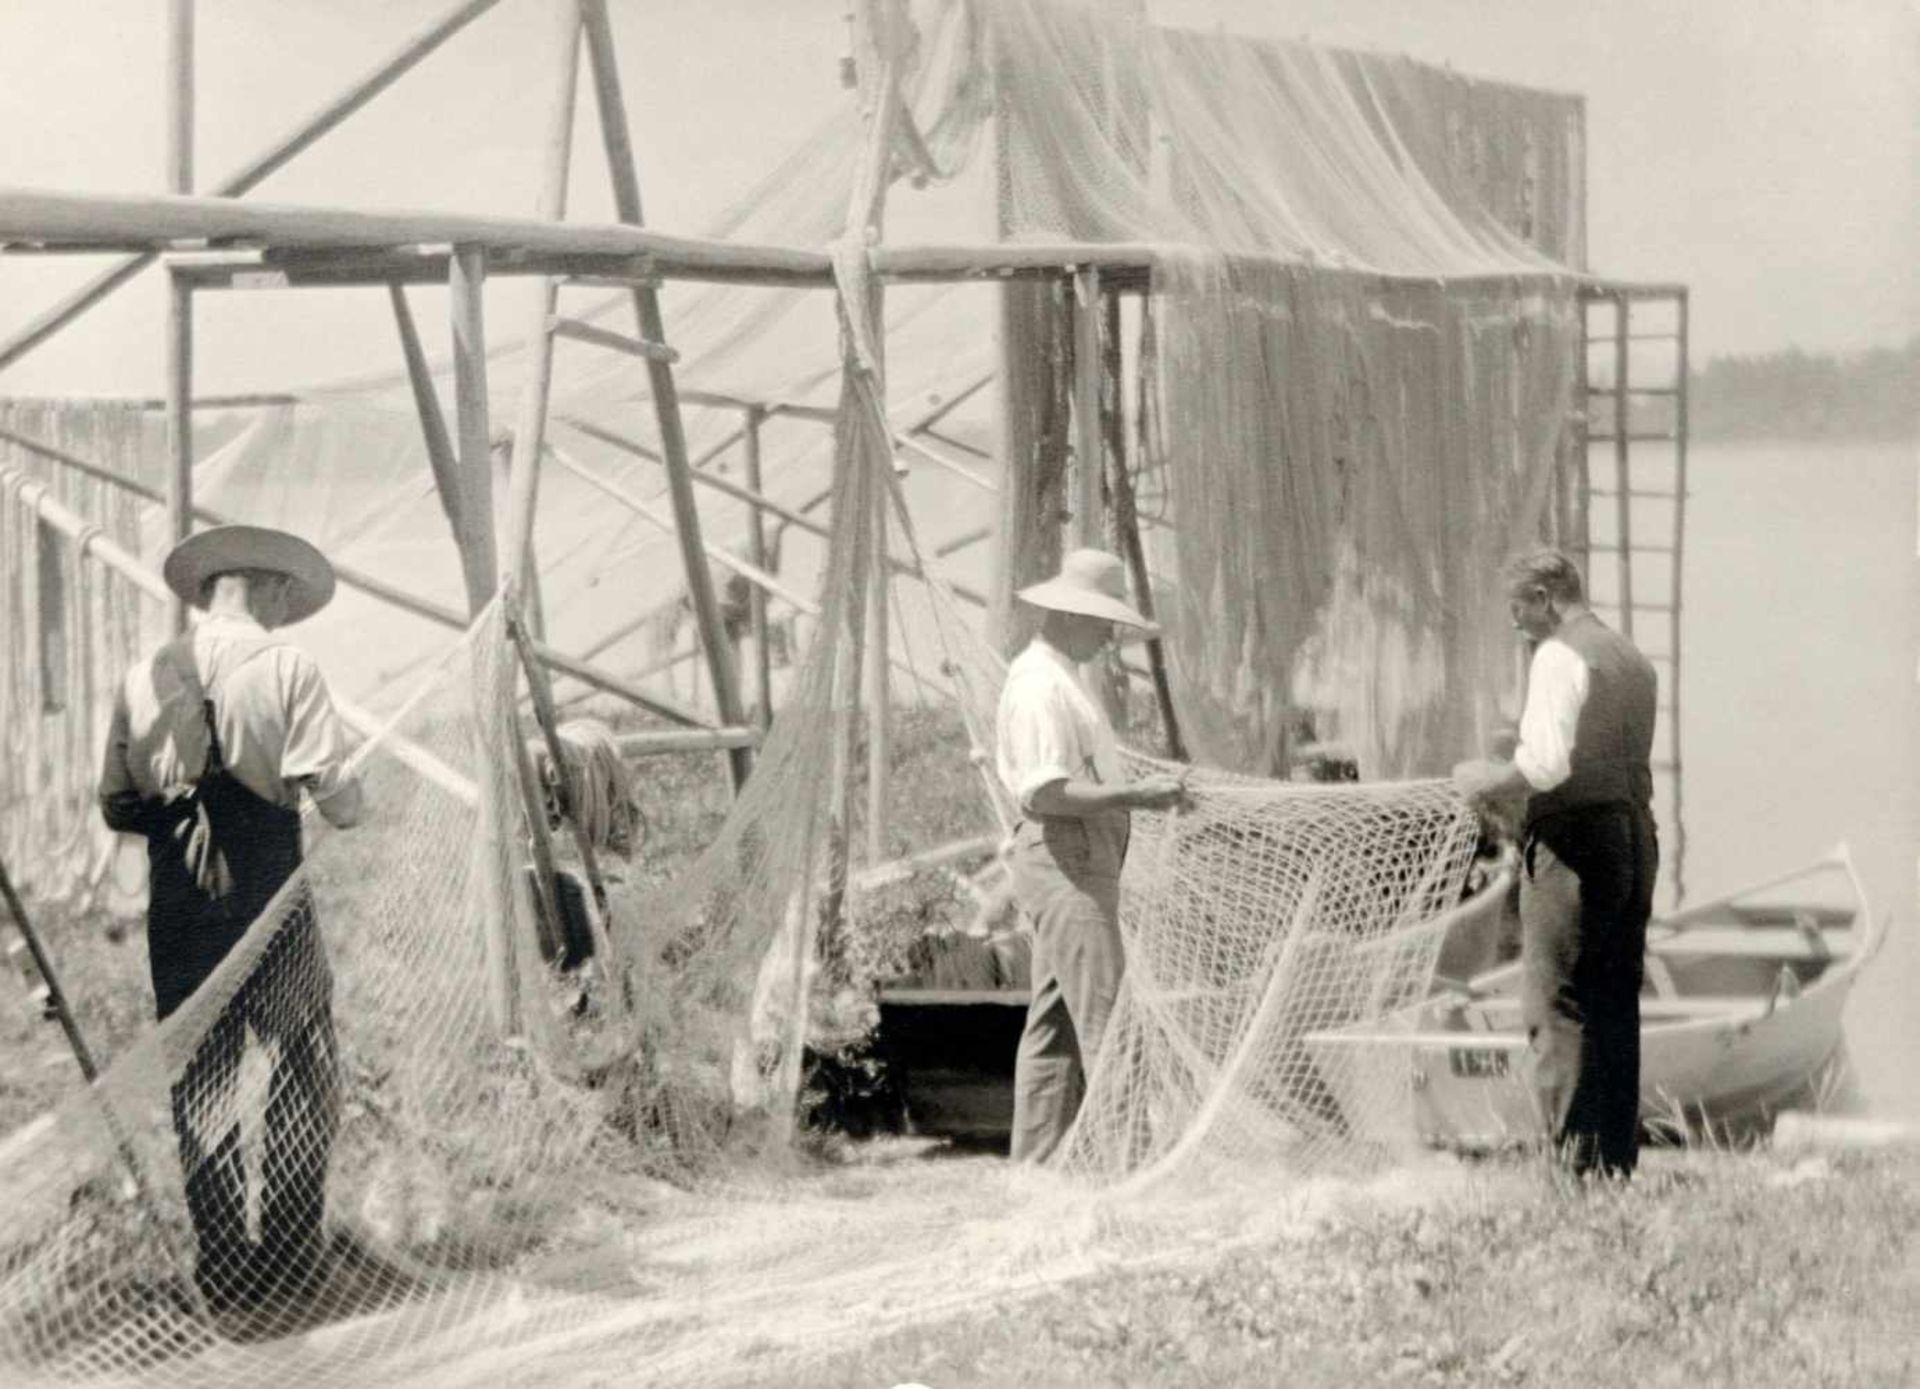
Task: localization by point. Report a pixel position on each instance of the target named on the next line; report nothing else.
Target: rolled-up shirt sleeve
(1556, 692)
(317, 748)
(1036, 742)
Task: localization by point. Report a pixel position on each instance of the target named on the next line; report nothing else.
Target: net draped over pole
(1358, 274)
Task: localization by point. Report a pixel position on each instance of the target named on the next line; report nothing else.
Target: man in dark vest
(1590, 855)
(214, 740)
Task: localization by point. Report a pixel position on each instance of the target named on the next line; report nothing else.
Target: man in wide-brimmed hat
(214, 740)
(1056, 755)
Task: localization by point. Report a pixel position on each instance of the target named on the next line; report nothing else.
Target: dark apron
(217, 856)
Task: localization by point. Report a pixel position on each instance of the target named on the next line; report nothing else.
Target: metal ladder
(1630, 450)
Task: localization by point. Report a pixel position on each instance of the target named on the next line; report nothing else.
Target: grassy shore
(1713, 1268)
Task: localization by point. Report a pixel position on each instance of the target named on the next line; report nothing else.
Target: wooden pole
(878, 672)
(479, 564)
(1680, 424)
(1127, 525)
(673, 442)
(541, 695)
(758, 578)
(1622, 474)
(529, 431)
(878, 39)
(795, 517)
(426, 402)
(492, 679)
(251, 173)
(90, 1071)
(50, 976)
(654, 742)
(1089, 520)
(179, 427)
(757, 599)
(180, 96)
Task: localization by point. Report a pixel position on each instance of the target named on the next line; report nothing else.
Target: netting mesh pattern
(1261, 914)
(537, 1178)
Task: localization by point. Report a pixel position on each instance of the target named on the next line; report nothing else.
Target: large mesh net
(427, 1154)
(512, 1178)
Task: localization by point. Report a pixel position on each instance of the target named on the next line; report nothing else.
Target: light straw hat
(1091, 582)
(223, 549)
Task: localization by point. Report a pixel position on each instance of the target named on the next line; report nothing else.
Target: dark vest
(1613, 741)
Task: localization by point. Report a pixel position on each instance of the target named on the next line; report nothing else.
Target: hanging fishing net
(1338, 388)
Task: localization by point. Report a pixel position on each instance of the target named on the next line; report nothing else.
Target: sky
(1762, 151)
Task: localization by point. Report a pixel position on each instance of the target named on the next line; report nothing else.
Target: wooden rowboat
(1740, 1018)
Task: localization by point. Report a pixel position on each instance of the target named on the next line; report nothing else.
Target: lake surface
(1800, 714)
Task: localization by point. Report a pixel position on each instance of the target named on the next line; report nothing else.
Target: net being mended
(521, 1185)
(1348, 405)
(511, 1203)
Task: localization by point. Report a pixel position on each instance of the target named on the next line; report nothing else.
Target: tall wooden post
(180, 97)
(179, 425)
(466, 278)
(757, 552)
(493, 873)
(179, 293)
(1089, 526)
(530, 426)
(1089, 518)
(1126, 528)
(666, 396)
(433, 422)
(1032, 444)
(1622, 473)
(879, 38)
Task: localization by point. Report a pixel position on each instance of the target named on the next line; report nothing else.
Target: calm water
(1800, 711)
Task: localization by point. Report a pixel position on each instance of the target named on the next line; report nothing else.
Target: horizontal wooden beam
(413, 245)
(652, 742)
(163, 223)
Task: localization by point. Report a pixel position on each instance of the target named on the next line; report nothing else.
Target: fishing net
(1340, 391)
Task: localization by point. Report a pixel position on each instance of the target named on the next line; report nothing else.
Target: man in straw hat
(213, 741)
(1590, 855)
(1057, 757)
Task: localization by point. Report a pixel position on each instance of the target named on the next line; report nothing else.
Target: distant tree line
(1874, 394)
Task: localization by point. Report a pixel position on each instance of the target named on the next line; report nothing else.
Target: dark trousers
(1584, 902)
(286, 1002)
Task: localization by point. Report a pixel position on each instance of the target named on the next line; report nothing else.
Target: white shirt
(1049, 729)
(1556, 692)
(278, 729)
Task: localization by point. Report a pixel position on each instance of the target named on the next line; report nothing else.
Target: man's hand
(1482, 780)
(1159, 792)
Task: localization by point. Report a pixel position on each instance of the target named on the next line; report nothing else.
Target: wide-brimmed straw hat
(223, 549)
(1091, 582)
